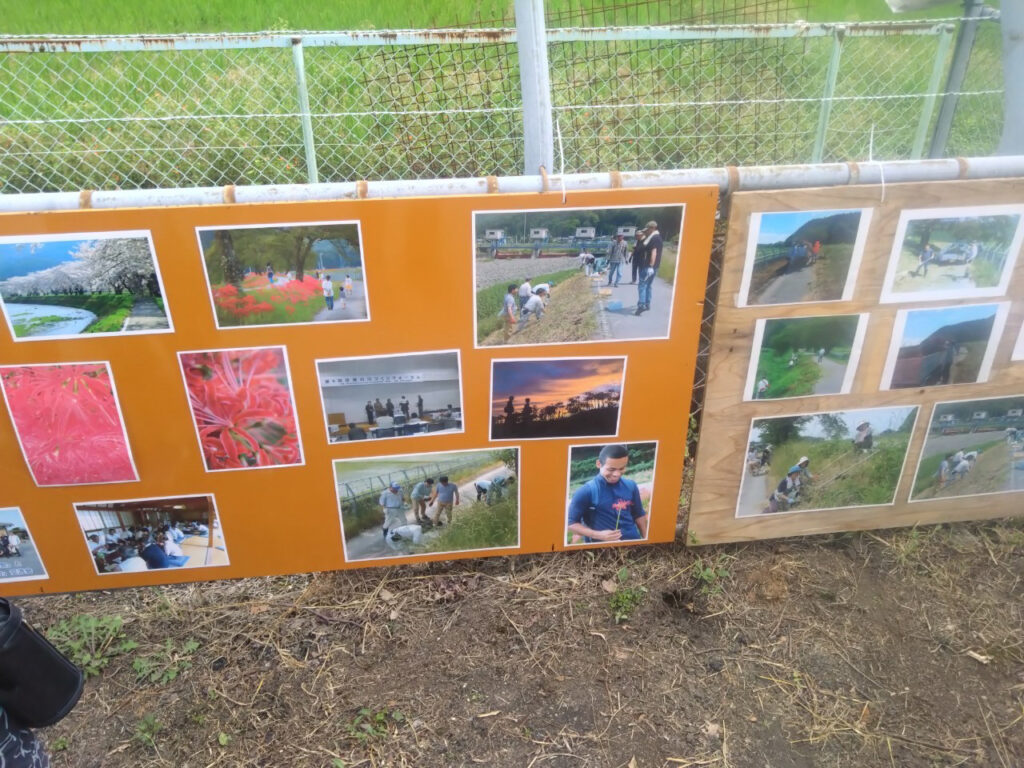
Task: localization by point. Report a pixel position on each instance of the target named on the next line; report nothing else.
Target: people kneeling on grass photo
(608, 507)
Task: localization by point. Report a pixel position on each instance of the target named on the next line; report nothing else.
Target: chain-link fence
(102, 113)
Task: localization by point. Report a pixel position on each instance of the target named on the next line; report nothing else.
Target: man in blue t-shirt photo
(608, 506)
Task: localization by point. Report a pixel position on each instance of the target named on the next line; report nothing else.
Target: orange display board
(196, 393)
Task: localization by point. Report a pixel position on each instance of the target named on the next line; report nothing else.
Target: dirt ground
(898, 648)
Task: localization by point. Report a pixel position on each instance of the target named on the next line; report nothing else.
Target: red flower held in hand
(242, 407)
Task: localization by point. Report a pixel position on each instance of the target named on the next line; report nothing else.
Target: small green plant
(372, 724)
(625, 599)
(711, 574)
(146, 730)
(91, 641)
(59, 744)
(223, 739)
(165, 665)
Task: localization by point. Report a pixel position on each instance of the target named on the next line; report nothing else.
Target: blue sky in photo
(779, 226)
(17, 259)
(922, 323)
(881, 419)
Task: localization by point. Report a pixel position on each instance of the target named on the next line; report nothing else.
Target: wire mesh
(179, 118)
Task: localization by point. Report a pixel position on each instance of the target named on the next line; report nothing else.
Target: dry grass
(894, 649)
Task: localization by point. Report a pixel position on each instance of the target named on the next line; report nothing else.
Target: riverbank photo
(428, 503)
(19, 558)
(135, 535)
(817, 461)
(534, 399)
(954, 253)
(285, 274)
(944, 345)
(575, 275)
(973, 448)
(68, 421)
(75, 285)
(243, 408)
(795, 257)
(804, 356)
(610, 489)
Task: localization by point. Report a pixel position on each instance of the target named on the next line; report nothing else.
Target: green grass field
(141, 16)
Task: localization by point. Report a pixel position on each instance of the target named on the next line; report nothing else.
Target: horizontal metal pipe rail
(311, 39)
(732, 179)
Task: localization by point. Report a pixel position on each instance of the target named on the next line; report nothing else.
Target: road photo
(574, 275)
(817, 461)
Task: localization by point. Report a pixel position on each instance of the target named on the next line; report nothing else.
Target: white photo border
(24, 524)
(126, 234)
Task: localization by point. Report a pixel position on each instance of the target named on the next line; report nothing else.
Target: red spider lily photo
(243, 409)
(285, 274)
(68, 423)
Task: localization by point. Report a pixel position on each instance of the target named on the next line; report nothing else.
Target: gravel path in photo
(145, 316)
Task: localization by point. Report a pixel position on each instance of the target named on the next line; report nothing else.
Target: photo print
(819, 461)
(428, 503)
(575, 274)
(954, 253)
(1018, 349)
(135, 535)
(536, 398)
(285, 274)
(19, 558)
(242, 407)
(804, 356)
(68, 421)
(81, 285)
(943, 345)
(973, 448)
(391, 395)
(610, 489)
(797, 257)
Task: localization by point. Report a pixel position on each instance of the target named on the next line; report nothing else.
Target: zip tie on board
(615, 179)
(964, 166)
(545, 184)
(85, 198)
(492, 184)
(854, 172)
(362, 189)
(227, 194)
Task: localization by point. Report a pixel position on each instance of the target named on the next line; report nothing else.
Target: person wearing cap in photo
(863, 440)
(786, 492)
(803, 465)
(392, 507)
(650, 261)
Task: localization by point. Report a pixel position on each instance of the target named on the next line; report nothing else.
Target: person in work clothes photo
(649, 264)
(396, 527)
(608, 506)
(421, 495)
(616, 255)
(446, 495)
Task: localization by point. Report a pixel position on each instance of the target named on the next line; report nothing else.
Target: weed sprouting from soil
(91, 641)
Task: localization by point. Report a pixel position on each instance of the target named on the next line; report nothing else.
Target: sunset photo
(562, 397)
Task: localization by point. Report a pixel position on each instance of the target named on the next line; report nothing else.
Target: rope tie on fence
(545, 184)
(492, 184)
(362, 189)
(963, 165)
(615, 179)
(227, 194)
(85, 198)
(854, 172)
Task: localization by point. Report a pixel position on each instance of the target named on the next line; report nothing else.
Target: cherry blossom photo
(243, 408)
(68, 423)
(73, 285)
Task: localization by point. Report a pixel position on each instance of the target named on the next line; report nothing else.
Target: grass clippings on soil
(855, 650)
(571, 315)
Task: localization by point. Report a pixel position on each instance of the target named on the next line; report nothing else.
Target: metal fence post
(1012, 22)
(928, 108)
(830, 90)
(299, 60)
(535, 81)
(955, 81)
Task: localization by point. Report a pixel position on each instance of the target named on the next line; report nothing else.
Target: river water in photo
(73, 320)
